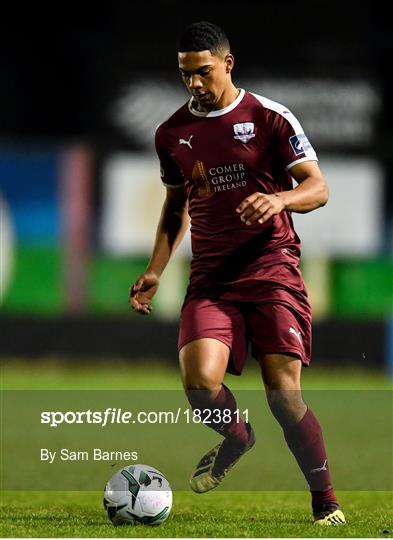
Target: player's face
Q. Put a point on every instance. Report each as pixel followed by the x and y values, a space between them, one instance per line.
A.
pixel 206 77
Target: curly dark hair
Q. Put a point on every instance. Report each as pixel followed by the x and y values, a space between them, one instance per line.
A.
pixel 203 36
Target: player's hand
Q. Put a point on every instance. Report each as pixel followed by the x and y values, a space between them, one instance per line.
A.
pixel 142 292
pixel 259 207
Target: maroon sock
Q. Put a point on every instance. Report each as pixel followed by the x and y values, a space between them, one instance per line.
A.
pixel 305 441
pixel 219 413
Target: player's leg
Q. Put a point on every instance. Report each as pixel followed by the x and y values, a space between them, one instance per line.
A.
pixel 212 335
pixel 283 327
pixel 203 363
pixel 302 432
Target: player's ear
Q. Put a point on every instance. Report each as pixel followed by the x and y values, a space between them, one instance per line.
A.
pixel 229 62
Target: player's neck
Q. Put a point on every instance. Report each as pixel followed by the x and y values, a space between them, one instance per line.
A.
pixel 228 96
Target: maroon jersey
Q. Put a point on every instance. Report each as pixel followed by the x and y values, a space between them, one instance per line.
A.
pixel 222 157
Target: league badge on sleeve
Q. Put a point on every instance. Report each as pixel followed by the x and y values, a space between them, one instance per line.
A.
pixel 300 144
pixel 244 131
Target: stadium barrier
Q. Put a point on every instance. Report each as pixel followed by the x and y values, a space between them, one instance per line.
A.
pixel 359 343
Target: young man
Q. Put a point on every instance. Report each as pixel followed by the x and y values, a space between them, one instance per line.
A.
pixel 228 158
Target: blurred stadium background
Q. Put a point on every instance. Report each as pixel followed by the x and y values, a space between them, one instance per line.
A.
pixel 82 92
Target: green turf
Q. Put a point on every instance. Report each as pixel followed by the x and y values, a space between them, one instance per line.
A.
pixel 216 514
pixel 229 514
pixel 90 374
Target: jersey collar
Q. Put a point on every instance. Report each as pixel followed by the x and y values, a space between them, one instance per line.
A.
pixel 218 112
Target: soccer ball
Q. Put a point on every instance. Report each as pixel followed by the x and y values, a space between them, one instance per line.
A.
pixel 138 494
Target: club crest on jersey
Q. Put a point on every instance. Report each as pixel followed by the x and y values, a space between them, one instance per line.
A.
pixel 244 131
pixel 300 143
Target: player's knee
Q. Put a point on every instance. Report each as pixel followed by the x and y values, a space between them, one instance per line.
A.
pixel 200 376
pixel 200 391
pixel 201 382
pixel 280 399
pixel 286 405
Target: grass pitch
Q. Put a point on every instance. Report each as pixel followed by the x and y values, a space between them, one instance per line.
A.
pixel 118 374
pixel 215 514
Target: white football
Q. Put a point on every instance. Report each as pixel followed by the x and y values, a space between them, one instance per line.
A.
pixel 138 494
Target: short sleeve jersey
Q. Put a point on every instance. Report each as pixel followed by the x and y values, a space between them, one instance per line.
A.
pixel 221 157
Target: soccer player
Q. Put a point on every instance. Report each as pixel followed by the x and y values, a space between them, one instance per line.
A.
pixel 228 159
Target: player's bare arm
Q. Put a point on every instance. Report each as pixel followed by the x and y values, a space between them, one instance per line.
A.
pixel 170 232
pixel 311 192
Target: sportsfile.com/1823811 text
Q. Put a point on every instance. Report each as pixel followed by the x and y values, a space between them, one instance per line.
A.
pixel 119 416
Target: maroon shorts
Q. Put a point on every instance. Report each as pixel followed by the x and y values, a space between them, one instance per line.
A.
pixel 279 324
